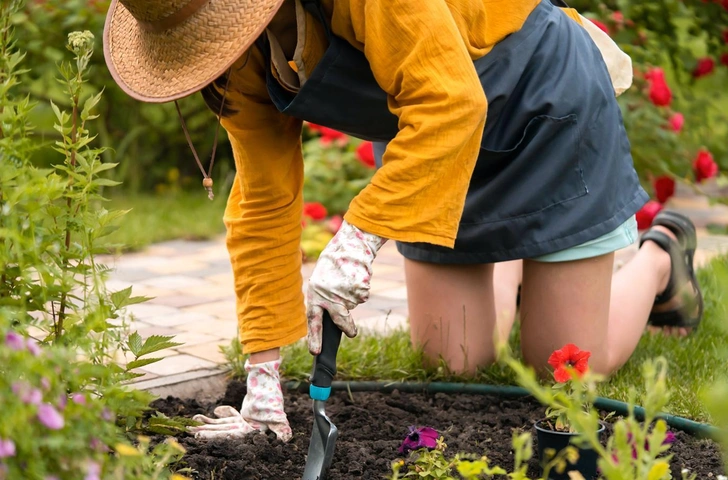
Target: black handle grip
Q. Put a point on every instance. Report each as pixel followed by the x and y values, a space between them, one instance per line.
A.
pixel 324 364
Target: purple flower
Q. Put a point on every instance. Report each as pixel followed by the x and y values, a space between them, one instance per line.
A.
pixel 49 416
pixel 107 415
pixel 62 401
pixel 93 471
pixel 669 438
pixel 78 399
pixel 419 437
pixel 7 448
pixel 27 394
pixel 33 347
pixel 45 383
pixel 14 341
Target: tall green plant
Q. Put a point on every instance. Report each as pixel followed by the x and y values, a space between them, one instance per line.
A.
pixel 65 403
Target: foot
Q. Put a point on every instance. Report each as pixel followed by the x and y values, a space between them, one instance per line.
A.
pixel 682 310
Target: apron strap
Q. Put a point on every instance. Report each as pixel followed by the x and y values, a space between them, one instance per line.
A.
pixel 317 10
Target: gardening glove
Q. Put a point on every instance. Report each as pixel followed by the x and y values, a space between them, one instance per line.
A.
pixel 262 408
pixel 340 281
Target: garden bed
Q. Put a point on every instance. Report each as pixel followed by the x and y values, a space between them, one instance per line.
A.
pixel 372 427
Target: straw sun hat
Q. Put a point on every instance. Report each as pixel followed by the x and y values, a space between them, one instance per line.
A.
pixel 163 50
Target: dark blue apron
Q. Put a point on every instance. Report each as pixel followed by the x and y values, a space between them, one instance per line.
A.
pixel 554 169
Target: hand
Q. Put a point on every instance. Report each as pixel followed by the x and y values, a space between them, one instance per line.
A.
pixel 262 408
pixel 340 281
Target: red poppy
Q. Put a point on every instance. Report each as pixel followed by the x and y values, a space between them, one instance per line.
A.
pixel 313 127
pixel 567 360
pixel 647 213
pixel 365 154
pixel 664 188
pixel 705 66
pixel 677 120
pixel 704 166
pixel 314 211
pixel 724 59
pixel 601 26
pixel 618 17
pixel 660 93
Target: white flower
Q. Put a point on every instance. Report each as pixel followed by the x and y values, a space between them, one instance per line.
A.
pixel 684 471
pixel 722 477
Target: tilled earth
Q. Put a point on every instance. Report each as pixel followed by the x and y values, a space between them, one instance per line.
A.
pixel 372 427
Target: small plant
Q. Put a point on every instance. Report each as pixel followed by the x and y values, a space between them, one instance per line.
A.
pixel 571 387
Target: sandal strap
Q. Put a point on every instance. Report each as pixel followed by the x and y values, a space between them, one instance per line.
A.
pixel 676 258
pixel 680 226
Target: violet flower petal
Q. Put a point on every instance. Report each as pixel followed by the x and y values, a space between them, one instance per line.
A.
pixel 669 438
pixel 33 347
pixel 49 417
pixel 78 399
pixel 422 437
pixel 7 448
pixel 93 471
pixel 32 396
pixel 14 341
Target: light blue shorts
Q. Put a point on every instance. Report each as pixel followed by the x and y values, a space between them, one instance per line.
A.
pixel 623 236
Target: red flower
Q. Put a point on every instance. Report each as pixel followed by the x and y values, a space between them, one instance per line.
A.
pixel 705 66
pixel 725 35
pixel 664 188
pixel 724 59
pixel 660 93
pixel 677 120
pixel 647 213
pixel 313 127
pixel 567 360
pixel 329 135
pixel 618 17
pixel 601 26
pixel 314 211
pixel 365 154
pixel 704 166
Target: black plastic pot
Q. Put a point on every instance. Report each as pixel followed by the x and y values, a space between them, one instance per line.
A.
pixel 553 439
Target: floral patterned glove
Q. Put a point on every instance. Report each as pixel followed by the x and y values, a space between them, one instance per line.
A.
pixel 340 281
pixel 262 408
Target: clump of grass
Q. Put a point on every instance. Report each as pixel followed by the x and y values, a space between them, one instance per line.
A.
pixel 157 218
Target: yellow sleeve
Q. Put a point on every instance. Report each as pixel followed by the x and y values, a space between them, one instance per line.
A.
pixel 419 58
pixel 263 214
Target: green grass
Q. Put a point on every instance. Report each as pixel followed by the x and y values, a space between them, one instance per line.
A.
pixel 694 362
pixel 157 218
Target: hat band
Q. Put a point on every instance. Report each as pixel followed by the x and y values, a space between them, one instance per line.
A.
pixel 175 19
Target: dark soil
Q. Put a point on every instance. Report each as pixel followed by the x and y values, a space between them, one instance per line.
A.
pixel 372 427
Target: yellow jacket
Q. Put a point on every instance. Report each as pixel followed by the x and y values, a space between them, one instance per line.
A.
pixel 421 54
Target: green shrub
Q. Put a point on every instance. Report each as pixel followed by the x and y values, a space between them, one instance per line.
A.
pixel 66 409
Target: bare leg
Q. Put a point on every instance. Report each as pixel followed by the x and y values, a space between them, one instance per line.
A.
pixel 575 302
pixel 265 356
pixel 506 280
pixel 452 313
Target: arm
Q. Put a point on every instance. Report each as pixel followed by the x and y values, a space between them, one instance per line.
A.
pixel 419 58
pixel 263 215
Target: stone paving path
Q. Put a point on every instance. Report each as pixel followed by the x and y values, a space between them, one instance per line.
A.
pixel 192 286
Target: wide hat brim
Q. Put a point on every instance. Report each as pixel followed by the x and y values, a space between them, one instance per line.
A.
pixel 161 66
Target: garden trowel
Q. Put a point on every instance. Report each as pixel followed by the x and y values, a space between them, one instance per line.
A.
pixel 324 434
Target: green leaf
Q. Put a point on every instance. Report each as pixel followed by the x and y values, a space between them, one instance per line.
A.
pixel 141 362
pixel 156 343
pixel 135 344
pixel 106 182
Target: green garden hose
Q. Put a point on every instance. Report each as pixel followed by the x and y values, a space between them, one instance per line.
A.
pixel 697 429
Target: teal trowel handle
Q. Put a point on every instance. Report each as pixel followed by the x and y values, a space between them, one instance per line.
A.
pixel 324 364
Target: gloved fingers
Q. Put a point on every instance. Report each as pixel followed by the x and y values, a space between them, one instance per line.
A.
pixel 236 433
pixel 241 425
pixel 224 411
pixel 315 326
pixel 282 430
pixel 226 417
pixel 342 318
